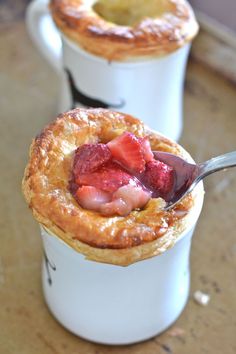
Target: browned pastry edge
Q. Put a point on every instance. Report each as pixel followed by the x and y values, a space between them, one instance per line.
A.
pixel 115 240
pixel 150 37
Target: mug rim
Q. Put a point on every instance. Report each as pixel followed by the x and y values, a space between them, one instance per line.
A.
pixel 129 63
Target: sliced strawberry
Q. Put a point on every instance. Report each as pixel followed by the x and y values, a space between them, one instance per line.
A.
pixel 126 149
pixel 146 149
pixel 92 198
pixel 89 157
pixel 160 178
pixel 108 178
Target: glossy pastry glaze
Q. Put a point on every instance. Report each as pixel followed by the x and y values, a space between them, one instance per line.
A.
pixel 124 30
pixel 117 240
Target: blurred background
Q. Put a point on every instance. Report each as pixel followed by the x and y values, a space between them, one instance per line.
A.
pixel 221 11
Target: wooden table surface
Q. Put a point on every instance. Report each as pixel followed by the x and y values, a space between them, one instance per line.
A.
pixel 28 101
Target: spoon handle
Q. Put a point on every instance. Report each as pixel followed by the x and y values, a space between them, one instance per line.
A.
pixel 218 163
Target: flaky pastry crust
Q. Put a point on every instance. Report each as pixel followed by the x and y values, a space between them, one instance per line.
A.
pixel 116 240
pixel 156 34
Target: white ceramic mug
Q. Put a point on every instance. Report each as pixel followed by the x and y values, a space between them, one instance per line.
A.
pixel 150 89
pixel 112 304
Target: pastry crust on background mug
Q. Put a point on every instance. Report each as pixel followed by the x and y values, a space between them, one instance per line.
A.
pixel 136 66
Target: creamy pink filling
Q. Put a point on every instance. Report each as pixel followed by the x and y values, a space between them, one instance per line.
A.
pixel 121 202
pixel 118 177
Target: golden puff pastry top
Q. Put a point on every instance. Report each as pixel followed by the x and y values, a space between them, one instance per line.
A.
pixel 116 240
pixel 126 29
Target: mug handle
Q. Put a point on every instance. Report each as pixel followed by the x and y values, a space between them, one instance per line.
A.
pixel 44 33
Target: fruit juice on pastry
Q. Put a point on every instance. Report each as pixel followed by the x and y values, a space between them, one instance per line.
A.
pixel 99 194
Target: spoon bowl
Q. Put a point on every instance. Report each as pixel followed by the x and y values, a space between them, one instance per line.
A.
pixel 188 175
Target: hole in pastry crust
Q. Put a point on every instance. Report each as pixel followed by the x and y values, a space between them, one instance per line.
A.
pixel 130 12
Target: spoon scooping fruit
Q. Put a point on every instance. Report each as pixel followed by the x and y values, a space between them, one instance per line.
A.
pixel 188 175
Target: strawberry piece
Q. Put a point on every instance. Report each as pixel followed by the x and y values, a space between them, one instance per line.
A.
pixel 160 178
pixel 126 149
pixel 108 178
pixel 146 149
pixel 92 198
pixel 90 157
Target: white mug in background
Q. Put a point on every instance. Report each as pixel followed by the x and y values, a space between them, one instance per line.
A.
pixel 151 89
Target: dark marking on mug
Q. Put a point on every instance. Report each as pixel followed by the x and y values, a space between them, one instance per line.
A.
pixel 49 265
pixel 79 97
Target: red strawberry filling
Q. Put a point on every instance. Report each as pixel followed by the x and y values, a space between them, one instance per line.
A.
pixel 159 178
pixel 126 149
pixel 146 149
pixel 107 178
pixel 89 157
pixel 120 176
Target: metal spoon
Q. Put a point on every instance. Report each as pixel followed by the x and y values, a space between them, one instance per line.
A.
pixel 188 175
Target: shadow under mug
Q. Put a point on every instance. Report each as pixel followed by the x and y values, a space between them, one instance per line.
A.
pixel 150 89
